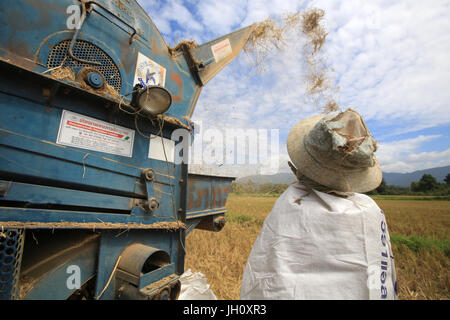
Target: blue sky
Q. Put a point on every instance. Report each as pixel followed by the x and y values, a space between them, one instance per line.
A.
pixel 391 62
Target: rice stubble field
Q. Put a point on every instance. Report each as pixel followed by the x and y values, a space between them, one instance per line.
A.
pixel 420 236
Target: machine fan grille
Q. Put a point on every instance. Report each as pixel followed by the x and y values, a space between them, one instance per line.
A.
pixel 11 247
pixel 87 51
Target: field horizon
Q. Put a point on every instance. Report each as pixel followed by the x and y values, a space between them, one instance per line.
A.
pixel 419 231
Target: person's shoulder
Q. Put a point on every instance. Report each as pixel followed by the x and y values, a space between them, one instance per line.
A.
pixel 293 192
pixel 361 197
pixel 287 206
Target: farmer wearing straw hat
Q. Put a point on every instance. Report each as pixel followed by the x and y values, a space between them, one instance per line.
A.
pixel 323 239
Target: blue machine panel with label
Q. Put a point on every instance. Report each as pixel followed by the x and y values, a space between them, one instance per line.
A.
pixel 93 202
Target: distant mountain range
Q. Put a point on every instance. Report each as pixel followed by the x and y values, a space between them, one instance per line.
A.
pixel 391 178
pixel 405 179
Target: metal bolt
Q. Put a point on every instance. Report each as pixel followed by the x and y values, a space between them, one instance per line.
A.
pixel 94 80
pixel 153 204
pixel 149 174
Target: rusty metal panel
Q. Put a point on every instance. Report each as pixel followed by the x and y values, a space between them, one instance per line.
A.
pixel 47 185
pixel 206 195
pixel 119 30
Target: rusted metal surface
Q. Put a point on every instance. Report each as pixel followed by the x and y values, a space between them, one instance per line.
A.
pixel 28 45
pixel 206 194
pixel 170 226
pixel 46 69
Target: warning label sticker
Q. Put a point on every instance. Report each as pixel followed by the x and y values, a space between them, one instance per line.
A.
pixel 148 72
pixel 221 50
pixel 76 130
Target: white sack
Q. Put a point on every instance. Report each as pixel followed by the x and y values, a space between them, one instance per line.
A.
pixel 194 286
pixel 318 246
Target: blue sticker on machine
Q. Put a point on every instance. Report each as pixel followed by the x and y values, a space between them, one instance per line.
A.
pixel 148 72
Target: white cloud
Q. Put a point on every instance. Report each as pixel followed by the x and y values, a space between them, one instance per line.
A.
pixel 404 155
pixel 389 68
pixel 258 10
pixel 221 16
pixel 164 13
pixel 390 60
pixel 395 68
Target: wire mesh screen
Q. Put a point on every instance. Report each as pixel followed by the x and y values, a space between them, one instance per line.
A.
pixel 87 51
pixel 11 247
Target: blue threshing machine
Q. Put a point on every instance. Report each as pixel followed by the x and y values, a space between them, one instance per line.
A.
pixel 93 202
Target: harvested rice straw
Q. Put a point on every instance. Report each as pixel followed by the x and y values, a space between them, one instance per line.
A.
pixel 191 44
pixel 319 86
pixel 312 28
pixel 269 35
pixel 331 106
pixel 62 73
pixel 264 36
pixel 108 89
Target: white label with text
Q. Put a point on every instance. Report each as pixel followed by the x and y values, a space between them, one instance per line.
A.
pixel 76 130
pixel 221 50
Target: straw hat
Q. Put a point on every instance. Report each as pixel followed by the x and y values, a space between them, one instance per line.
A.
pixel 336 151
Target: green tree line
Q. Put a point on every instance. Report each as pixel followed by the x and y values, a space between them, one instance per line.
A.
pixel 427 185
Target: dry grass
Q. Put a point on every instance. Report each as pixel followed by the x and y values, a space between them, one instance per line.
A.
pixel 422 273
pixel 222 256
pixel 422 218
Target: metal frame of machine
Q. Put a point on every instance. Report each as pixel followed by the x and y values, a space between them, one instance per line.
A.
pixel 118 220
